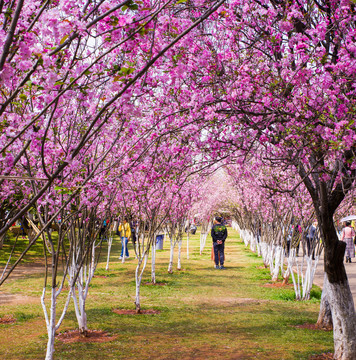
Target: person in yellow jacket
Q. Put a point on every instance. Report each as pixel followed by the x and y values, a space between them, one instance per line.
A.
pixel 125 234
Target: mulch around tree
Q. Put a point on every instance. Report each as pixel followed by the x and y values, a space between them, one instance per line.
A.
pixel 277 285
pixel 64 288
pixel 324 356
pixel 92 336
pixel 156 284
pixel 313 327
pixel 7 319
pixel 133 312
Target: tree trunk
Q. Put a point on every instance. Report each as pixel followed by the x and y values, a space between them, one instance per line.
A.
pixel 188 244
pixel 179 265
pixel 51 326
pixel 309 275
pixel 153 265
pixel 170 265
pixel 79 305
pixel 203 237
pixel 296 284
pixel 253 242
pixel 138 279
pixel 124 251
pixel 2 239
pixel 109 250
pixel 286 276
pixel 82 319
pixel 325 320
pixel 277 262
pixel 339 293
pixel 258 244
pixel 344 325
pixel 264 253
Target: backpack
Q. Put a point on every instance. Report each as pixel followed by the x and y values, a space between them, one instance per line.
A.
pixel 219 230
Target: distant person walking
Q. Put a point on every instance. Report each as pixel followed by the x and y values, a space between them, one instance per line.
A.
pixel 125 234
pixel 219 235
pixel 311 240
pixel 347 235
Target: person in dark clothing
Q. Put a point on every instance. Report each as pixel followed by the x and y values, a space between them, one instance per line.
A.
pixel 219 235
pixel 133 225
pixel 102 233
pixel 311 239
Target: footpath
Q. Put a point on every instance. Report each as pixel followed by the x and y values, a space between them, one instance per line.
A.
pixel 21 272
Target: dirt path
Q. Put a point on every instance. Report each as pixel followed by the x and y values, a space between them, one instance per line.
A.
pixel 21 271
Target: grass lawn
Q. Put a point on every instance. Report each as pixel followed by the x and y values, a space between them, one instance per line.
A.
pixel 204 313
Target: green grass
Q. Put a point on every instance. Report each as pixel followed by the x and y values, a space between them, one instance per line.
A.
pixel 34 253
pixel 204 313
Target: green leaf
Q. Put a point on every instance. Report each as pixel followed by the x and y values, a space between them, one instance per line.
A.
pixel 64 38
pixel 132 5
pixel 63 190
pixel 127 71
pixel 181 1
pixel 23 97
pixel 59 82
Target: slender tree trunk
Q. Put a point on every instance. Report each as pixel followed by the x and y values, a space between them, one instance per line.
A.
pixel 286 276
pixel 109 250
pixel 83 324
pixel 258 244
pixel 153 265
pixel 170 265
pixel 81 313
pixel 188 244
pixel 203 237
pixel 51 326
pixel 79 304
pixel 2 239
pixel 277 264
pixel 264 253
pixel 253 242
pixel 271 251
pixel 291 262
pixel 124 251
pixel 138 278
pixel 179 265
pixel 309 276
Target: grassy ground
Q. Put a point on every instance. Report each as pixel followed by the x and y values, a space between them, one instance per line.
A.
pixel 34 254
pixel 204 313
